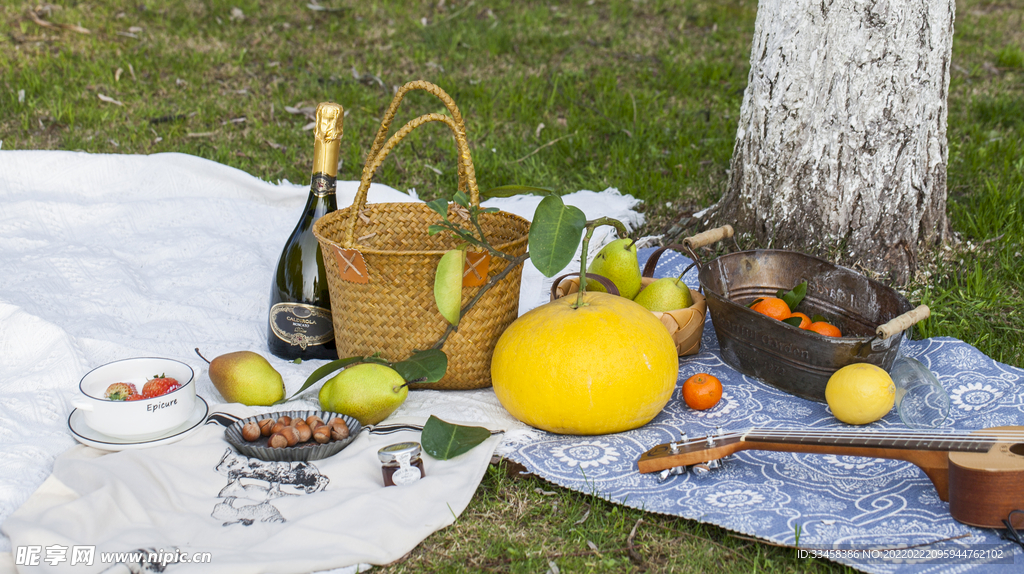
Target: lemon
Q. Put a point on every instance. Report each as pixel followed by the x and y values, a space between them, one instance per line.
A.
pixel 860 393
pixel 605 367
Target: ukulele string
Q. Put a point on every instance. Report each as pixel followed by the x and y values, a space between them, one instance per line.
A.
pixel 927 436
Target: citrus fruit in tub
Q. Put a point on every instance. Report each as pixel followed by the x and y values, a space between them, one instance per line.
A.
pixel 804 323
pixel 604 367
pixel 860 393
pixel 702 391
pixel 773 307
pixel 824 328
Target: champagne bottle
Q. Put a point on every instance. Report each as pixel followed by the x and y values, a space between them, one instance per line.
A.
pixel 300 325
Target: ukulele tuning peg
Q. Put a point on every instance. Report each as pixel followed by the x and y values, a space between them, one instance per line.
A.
pixel 714 464
pixel 669 472
pixel 674 446
pixel 701 470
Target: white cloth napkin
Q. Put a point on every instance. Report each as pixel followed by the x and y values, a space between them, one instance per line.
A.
pixel 199 498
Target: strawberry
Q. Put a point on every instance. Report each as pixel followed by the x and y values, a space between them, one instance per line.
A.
pixel 135 398
pixel 159 385
pixel 120 392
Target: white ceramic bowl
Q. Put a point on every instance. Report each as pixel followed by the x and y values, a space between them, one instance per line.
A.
pixel 142 418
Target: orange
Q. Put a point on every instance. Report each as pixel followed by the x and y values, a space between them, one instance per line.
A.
pixel 773 307
pixel 702 391
pixel 823 328
pixel 805 321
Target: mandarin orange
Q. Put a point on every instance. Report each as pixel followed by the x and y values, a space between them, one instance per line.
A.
pixel 702 391
pixel 773 307
pixel 826 329
pixel 805 321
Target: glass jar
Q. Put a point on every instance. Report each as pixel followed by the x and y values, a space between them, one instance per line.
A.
pixel 401 463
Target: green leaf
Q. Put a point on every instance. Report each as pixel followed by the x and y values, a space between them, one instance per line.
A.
pixel 448 285
pixel 510 190
pixel 440 205
pixel 443 440
pixel 755 302
pixel 423 366
pixel 325 370
pixel 461 199
pixel 435 229
pixel 490 210
pixel 794 321
pixel 817 318
pixel 555 234
pixel 794 296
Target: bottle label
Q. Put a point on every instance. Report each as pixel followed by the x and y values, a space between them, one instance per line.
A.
pixel 323 185
pixel 301 325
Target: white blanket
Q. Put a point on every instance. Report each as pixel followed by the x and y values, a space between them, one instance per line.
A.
pixel 104 257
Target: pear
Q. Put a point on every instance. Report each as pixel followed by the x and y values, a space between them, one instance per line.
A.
pixel 665 294
pixel 368 392
pixel 617 261
pixel 246 377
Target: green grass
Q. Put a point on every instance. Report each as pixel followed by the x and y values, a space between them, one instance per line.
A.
pixel 639 95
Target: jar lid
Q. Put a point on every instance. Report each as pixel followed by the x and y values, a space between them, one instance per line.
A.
pixel 392 452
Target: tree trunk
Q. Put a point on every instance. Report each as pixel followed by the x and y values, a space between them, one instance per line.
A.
pixel 841 146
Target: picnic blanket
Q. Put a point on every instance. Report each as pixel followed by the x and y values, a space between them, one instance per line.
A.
pixel 107 256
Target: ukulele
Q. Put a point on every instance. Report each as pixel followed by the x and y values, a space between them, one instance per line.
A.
pixel 980 473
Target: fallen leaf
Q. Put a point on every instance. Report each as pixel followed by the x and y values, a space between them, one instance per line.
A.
pixel 108 99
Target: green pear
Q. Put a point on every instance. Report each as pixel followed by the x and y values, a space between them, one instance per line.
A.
pixel 368 392
pixel 665 294
pixel 617 261
pixel 246 377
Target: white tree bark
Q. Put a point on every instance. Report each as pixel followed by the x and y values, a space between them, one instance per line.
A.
pixel 841 146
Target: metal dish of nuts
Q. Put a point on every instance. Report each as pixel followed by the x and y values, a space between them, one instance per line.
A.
pixel 293 436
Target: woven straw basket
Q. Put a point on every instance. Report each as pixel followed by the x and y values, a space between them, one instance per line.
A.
pixel 394 312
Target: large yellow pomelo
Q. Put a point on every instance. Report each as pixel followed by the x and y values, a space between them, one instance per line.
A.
pixel 605 367
pixel 860 393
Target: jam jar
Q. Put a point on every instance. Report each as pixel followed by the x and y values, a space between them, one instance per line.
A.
pixel 401 463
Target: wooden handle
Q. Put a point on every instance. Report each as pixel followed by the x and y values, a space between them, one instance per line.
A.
pixel 708 237
pixel 903 322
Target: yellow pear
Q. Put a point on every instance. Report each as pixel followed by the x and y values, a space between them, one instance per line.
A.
pixel 665 294
pixel 368 392
pixel 246 377
pixel 617 261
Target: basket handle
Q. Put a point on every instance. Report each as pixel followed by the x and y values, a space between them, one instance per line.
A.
pixel 467 175
pixel 612 289
pixel 389 116
pixel 903 322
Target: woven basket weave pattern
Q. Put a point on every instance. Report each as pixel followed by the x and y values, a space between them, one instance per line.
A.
pixel 395 312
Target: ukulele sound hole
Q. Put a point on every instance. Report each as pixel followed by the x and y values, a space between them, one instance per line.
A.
pixel 1017 449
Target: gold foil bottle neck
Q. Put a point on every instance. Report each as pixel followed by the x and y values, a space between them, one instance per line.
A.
pixel 326 147
pixel 329 118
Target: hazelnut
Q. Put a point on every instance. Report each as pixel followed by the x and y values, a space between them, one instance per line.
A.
pixel 322 434
pixel 339 431
pixel 303 430
pixel 251 431
pixel 277 441
pixel 313 419
pixel 285 420
pixel 276 428
pixel 290 434
pixel 265 426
